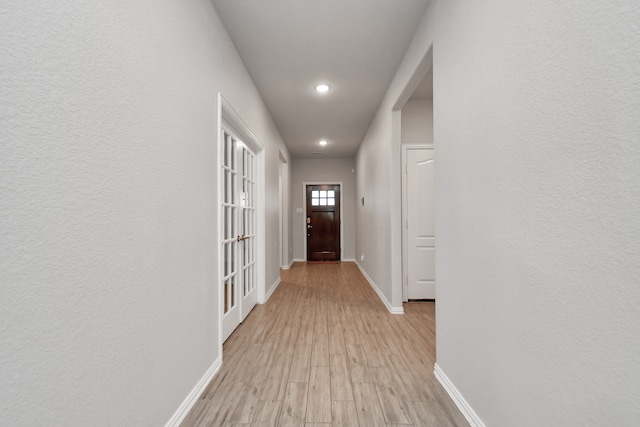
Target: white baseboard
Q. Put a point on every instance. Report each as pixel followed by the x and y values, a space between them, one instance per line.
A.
pixel 271 291
pixel 298 260
pixel 286 267
pixel 193 397
pixel 392 309
pixel 349 260
pixel 466 409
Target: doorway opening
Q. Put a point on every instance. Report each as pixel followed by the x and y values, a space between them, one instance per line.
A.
pixel 241 250
pixel 414 154
pixel 323 222
pixel 238 218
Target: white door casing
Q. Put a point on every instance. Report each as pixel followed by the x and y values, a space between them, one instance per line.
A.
pixel 283 219
pixel 418 213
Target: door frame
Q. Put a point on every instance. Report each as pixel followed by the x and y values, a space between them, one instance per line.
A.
pixel 304 217
pixel 405 209
pixel 283 206
pixel 228 118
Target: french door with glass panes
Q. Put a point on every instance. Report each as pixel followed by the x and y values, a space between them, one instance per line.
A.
pixel 238 216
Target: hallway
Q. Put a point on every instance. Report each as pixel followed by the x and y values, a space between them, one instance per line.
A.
pixel 324 351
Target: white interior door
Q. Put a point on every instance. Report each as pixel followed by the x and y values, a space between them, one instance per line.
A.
pixel 238 216
pixel 247 235
pixel 420 242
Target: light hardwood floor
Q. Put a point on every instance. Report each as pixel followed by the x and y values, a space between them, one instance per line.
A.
pixel 324 351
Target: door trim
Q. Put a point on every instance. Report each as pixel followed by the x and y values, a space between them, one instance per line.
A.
pixel 229 119
pixel 283 218
pixel 304 216
pixel 405 238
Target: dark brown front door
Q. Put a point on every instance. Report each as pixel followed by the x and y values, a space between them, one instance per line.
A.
pixel 323 223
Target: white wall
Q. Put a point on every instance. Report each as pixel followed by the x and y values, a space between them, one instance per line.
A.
pixel 537 201
pixel 323 170
pixel 373 232
pixel 417 122
pixel 108 297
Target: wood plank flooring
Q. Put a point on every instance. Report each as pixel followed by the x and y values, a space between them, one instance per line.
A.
pixel 324 351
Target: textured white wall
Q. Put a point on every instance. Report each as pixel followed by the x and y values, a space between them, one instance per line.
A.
pixel 536 128
pixel 324 170
pixel 417 122
pixel 108 298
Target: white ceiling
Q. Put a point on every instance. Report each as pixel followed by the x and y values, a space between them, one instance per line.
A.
pixel 288 46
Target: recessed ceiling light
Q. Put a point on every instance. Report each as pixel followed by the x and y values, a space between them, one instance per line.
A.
pixel 322 88
pixel 323 142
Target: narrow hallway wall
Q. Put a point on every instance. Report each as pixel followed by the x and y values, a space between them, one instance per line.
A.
pixel 537 190
pixel 109 301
